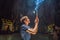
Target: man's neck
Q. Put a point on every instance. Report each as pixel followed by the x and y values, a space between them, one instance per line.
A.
pixel 26 24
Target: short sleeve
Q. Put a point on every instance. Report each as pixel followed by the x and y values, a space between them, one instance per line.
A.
pixel 24 28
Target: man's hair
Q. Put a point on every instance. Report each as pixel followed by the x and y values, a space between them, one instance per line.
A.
pixel 23 18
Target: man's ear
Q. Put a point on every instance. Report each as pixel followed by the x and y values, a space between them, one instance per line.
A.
pixel 25 20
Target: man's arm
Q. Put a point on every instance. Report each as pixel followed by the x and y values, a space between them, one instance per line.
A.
pixel 35 29
pixel 31 32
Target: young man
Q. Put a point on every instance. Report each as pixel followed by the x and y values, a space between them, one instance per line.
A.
pixel 26 31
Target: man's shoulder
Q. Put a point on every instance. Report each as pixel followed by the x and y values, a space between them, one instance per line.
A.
pixel 25 26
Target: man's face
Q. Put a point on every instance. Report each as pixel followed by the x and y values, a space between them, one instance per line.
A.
pixel 27 20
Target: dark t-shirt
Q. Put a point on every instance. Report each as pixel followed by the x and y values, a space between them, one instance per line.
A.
pixel 25 35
